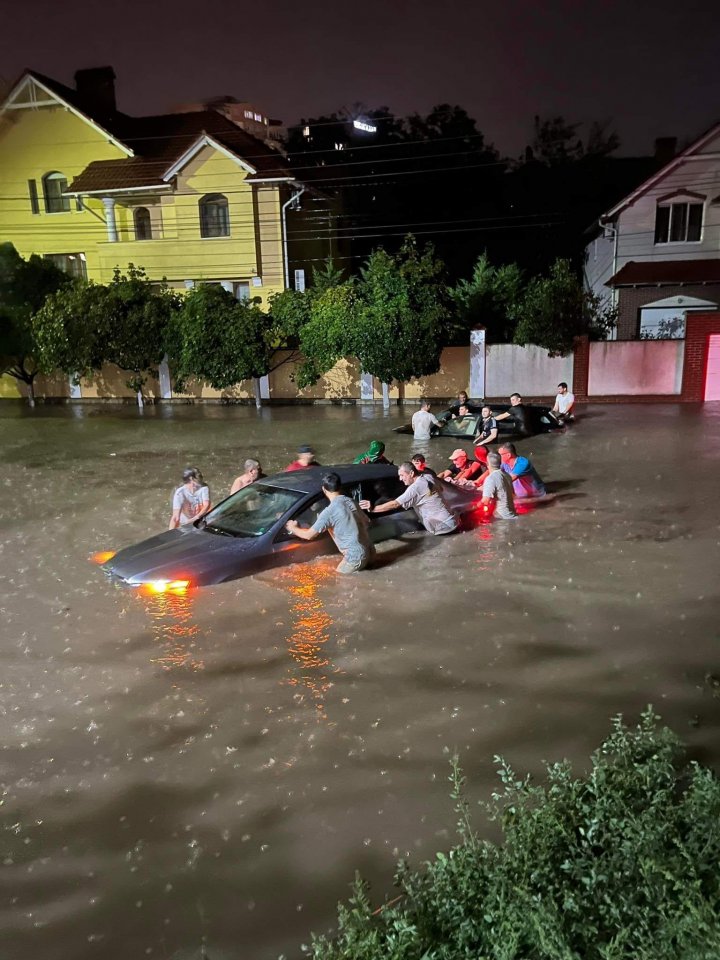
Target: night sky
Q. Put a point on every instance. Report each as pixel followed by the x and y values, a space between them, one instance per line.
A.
pixel 649 68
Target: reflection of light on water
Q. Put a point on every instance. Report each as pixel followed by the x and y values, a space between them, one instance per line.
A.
pixel 102 556
pixel 310 629
pixel 171 614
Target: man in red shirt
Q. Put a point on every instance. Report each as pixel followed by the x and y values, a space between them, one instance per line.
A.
pixel 463 468
pixel 305 458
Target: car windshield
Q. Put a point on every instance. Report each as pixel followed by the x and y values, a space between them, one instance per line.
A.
pixel 252 511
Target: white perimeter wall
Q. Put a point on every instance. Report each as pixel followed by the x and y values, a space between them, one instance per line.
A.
pixel 525 370
pixel 635 367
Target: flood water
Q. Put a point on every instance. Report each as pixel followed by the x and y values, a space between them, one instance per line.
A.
pixel 210 769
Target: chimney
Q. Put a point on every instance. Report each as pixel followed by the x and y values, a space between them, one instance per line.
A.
pixel 665 149
pixel 96 87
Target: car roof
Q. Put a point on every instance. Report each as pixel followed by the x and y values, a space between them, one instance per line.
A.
pixel 309 479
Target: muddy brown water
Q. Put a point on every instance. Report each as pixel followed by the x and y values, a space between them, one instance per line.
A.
pixel 212 768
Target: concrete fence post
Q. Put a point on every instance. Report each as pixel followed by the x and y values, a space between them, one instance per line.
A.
pixel 476 380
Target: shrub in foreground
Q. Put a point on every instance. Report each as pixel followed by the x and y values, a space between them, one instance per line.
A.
pixel 620 864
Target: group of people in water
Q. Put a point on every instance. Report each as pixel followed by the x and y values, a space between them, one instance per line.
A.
pixel 501 477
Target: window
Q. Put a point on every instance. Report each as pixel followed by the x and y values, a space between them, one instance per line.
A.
pixel 73 263
pixel 34 202
pixel 54 186
pixel 143 224
pixel 214 216
pixel 678 223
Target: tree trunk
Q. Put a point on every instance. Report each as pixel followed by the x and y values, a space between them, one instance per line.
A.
pixel 141 402
pixel 258 395
pixel 386 394
pixel 31 391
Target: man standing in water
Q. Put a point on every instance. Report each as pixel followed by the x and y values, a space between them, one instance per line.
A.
pixel 253 472
pixel 497 489
pixel 185 502
pixel 346 524
pixel 423 495
pixel 423 421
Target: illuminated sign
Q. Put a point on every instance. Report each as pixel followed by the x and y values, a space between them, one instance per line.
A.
pixel 364 126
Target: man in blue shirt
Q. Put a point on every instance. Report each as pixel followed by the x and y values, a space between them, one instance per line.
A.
pixel 525 478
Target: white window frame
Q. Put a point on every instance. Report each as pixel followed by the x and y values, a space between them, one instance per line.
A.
pixel 671 204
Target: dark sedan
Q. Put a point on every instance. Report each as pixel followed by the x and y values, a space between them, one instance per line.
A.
pixel 246 532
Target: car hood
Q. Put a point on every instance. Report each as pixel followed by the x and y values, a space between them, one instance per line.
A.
pixel 187 553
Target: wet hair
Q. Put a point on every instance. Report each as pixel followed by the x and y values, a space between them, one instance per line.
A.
pixel 510 447
pixel 424 403
pixel 486 406
pixel 331 482
pixel 418 456
pixel 251 465
pixel 462 393
pixel 563 384
pixel 188 474
pixel 305 448
pixel 494 460
pixel 198 475
pixel 408 467
pixel 518 395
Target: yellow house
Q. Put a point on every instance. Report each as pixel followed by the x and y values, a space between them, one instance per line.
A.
pixel 190 197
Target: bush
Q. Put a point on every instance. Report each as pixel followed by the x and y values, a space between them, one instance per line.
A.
pixel 620 864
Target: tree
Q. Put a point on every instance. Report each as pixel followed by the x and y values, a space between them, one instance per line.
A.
pixel 139 316
pixel 555 309
pixel 405 314
pixel 222 340
pixel 70 329
pixel 490 299
pixel 558 142
pixel 327 336
pixel 24 286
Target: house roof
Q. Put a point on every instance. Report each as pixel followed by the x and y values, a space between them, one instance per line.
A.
pixel 646 185
pixel 666 272
pixel 156 143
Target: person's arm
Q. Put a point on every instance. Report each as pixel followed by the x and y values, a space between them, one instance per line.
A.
pixel 381 508
pixel 435 420
pixel 503 416
pixel 570 407
pixel 174 520
pixel 237 485
pixel 444 475
pixel 305 533
pixel 492 436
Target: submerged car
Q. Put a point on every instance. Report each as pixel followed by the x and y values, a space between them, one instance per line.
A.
pixel 246 532
pixel 538 419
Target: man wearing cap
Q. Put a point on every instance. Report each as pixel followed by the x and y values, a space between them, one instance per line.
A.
pixel 497 489
pixel 463 468
pixel 305 459
pixel 424 496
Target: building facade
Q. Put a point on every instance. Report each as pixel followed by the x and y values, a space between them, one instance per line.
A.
pixel 189 197
pixel 656 254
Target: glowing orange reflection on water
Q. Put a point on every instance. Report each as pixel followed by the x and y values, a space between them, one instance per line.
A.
pixel 174 628
pixel 310 631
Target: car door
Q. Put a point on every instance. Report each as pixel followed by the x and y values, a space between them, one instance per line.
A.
pixel 386 526
pixel 296 548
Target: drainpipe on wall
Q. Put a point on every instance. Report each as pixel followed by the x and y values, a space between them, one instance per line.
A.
pixel 614 271
pixel 109 205
pixel 293 202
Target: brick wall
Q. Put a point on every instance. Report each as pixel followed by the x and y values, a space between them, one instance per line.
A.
pixel 631 299
pixel 699 327
pixel 581 368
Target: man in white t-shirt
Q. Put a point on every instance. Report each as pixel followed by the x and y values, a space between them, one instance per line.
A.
pixel 423 421
pixel 564 403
